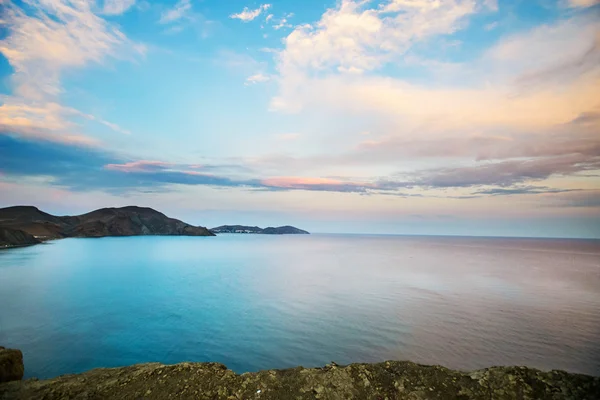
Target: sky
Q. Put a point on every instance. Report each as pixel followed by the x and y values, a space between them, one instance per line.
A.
pixel 434 117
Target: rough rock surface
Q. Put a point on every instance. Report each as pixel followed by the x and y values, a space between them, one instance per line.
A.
pixel 11 365
pixel 124 221
pixel 387 380
pixel 14 237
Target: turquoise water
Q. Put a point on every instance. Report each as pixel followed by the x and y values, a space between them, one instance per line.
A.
pixel 257 301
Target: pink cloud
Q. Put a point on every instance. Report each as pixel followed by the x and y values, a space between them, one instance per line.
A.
pixel 139 166
pixel 75 140
pixel 195 173
pixel 309 183
pixel 68 139
pixel 291 181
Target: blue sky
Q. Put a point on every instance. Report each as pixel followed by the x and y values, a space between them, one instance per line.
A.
pixel 469 117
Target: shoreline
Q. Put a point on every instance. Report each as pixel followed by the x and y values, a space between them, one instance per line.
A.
pixel 385 380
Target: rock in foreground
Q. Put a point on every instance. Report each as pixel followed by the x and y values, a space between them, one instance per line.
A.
pixel 387 380
pixel 11 365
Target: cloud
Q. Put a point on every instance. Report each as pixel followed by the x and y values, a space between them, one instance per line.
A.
pixel 315 184
pixel 50 120
pixel 257 78
pixel 139 166
pixel 491 26
pixel 523 112
pixel 576 137
pixel 281 22
pixel 76 166
pixel 179 11
pixel 352 36
pixel 582 3
pixel 547 54
pixel 81 168
pixel 58 35
pixel 287 136
pixel 518 190
pixel 62 160
pixel 541 77
pixel 580 198
pixel 506 173
pixel 43 40
pixel 491 4
pixel 117 7
pixel 571 149
pixel 181 17
pixel 248 15
pixel 112 126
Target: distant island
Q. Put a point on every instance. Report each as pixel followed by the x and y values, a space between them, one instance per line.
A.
pixel 280 230
pixel 26 225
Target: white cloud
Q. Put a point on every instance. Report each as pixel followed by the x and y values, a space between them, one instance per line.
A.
pixel 268 50
pixel 282 22
pixel 491 26
pixel 257 78
pixel 179 11
pixel 43 41
pixel 352 39
pixel 491 4
pixel 248 15
pixel 546 53
pixel 60 35
pixel 181 17
pixel 353 36
pixel 515 96
pixel 116 7
pixel 537 78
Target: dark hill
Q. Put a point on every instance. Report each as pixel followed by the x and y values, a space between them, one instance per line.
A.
pixel 236 229
pixel 124 221
pixel 13 237
pixel 284 230
pixel 35 222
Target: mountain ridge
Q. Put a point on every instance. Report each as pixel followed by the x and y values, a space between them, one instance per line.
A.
pixel 110 221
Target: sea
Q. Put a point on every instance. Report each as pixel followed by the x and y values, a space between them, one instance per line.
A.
pixel 257 302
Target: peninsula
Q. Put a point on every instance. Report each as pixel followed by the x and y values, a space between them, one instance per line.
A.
pixel 280 230
pixel 25 225
pixel 386 380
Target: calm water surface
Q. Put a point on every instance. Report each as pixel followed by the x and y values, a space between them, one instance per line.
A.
pixel 258 301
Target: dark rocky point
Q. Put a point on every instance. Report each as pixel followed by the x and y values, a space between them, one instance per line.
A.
pixel 15 237
pixel 386 380
pixel 125 221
